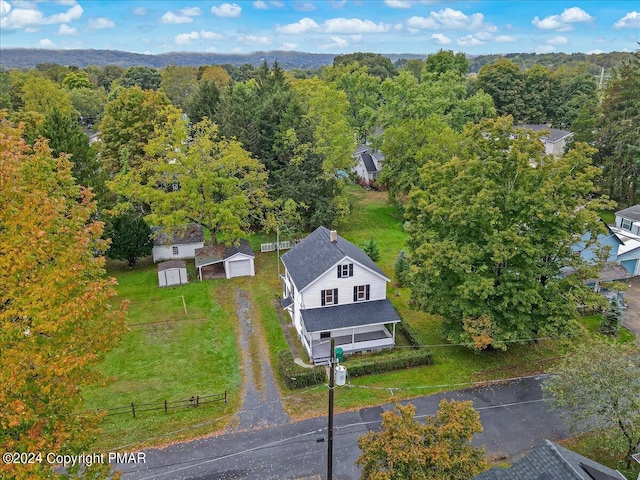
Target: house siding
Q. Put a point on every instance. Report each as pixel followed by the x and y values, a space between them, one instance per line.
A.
pixel 165 252
pixel 312 296
pixel 631 266
pixel 635 226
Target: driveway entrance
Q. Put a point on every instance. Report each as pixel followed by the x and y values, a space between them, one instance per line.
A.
pixel 631 315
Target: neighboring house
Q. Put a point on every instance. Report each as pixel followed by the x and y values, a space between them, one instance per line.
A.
pixel 549 461
pixel 629 251
pixel 368 163
pixel 590 251
pixel 332 289
pixel 217 261
pixel 172 272
pixel 554 140
pixel 179 245
pixel 629 219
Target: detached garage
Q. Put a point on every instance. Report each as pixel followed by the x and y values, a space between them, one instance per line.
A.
pixel 173 272
pixel 218 261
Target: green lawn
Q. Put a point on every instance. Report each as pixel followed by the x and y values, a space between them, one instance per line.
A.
pixel 608 216
pixel 167 355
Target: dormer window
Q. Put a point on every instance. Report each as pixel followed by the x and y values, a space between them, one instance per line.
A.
pixel 626 224
pixel 345 271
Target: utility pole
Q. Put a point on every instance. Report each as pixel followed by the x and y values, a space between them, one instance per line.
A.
pixel 330 426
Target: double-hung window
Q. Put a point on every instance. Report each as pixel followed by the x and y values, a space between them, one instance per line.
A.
pixel 175 250
pixel 329 297
pixel 345 270
pixel 361 293
pixel 626 224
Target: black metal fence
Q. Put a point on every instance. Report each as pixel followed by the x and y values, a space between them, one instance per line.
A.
pixel 166 406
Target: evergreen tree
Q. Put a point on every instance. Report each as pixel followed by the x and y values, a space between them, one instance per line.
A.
pixel 130 238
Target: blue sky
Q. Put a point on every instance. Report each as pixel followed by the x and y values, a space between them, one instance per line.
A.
pixel 323 26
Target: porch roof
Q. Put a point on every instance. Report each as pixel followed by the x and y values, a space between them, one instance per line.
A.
pixel 348 316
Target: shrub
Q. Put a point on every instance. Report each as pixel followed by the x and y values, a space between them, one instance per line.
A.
pixel 401 269
pixel 296 376
pixel 371 249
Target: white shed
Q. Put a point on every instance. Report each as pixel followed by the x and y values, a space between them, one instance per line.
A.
pixel 218 261
pixel 173 272
pixel 178 244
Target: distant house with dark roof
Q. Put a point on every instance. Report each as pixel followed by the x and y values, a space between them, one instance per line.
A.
pixel 549 461
pixel 221 261
pixel 368 163
pixel 178 244
pixel 332 289
pixel 629 219
pixel 554 140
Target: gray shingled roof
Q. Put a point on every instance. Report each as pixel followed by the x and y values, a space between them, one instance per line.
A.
pixel 554 134
pixel 216 253
pixel 632 213
pixel 314 255
pixel 368 162
pixel 243 247
pixel 171 264
pixel 549 461
pixel 187 234
pixel 349 315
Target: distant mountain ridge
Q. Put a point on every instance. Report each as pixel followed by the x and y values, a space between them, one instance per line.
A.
pixel 30 57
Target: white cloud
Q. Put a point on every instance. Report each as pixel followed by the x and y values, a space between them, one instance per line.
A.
pixel 46 43
pixel 28 18
pixel 304 6
pixel 101 23
pixel 355 38
pixel 69 3
pixel 229 10
pixel 558 40
pixel 300 26
pixel 255 40
pixel 5 7
pixel 340 42
pixel 562 22
pixel 398 3
pixel 186 38
pixel 288 46
pixel 505 39
pixel 545 48
pixel 469 41
pixel 594 52
pixel 337 3
pixel 630 20
pixel 65 29
pixel 423 22
pixel 456 20
pixel 413 31
pixel 484 36
pixel 140 11
pixel 210 35
pixel 184 15
pixel 354 25
pixel 441 39
pixel 260 5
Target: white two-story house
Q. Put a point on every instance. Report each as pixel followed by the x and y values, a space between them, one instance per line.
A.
pixel 332 289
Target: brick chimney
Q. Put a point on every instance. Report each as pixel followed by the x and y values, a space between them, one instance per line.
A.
pixel 333 235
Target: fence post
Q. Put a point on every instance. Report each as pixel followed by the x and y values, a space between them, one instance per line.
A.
pixel 165 406
pixel 197 400
pixel 133 410
pixel 225 396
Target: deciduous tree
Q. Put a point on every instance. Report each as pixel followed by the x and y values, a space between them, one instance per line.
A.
pixel 438 449
pixel 58 316
pixel 197 177
pixel 599 386
pixel 144 77
pixel 42 95
pixel 179 84
pixel 490 234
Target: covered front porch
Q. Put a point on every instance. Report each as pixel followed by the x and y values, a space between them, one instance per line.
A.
pixel 354 327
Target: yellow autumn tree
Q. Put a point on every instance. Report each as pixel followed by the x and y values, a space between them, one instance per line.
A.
pixel 57 311
pixel 438 449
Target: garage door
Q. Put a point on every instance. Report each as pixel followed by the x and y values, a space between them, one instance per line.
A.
pixel 173 277
pixel 240 268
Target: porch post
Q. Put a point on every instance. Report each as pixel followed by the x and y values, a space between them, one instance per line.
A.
pixel 394 333
pixel 353 339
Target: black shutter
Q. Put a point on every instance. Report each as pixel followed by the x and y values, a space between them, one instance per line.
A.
pixel 339 271
pixel 322 297
pixel 367 291
pixel 335 296
pixel 355 294
pixel 351 269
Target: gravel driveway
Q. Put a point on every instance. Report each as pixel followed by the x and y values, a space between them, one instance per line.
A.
pixel 261 403
pixel 631 315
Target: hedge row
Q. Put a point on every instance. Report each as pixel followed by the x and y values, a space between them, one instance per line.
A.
pixel 296 376
pixel 410 333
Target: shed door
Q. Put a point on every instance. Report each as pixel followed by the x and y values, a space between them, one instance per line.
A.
pixel 173 276
pixel 240 268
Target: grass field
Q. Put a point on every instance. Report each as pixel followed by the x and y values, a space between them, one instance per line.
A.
pixel 167 355
pixel 170 355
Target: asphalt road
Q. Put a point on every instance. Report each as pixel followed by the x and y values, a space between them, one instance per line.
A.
pixel 514 416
